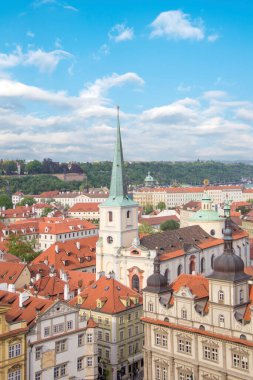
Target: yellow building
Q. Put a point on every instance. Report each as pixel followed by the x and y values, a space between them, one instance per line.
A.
pixel 12 347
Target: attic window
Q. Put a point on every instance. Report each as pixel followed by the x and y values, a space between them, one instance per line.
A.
pixel 94 286
pixel 107 288
pixel 118 288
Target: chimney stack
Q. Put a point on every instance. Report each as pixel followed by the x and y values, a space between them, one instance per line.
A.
pixel 22 298
pixel 56 248
pixel 78 245
pixel 66 292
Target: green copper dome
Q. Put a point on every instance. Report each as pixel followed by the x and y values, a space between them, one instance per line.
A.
pixel 206 216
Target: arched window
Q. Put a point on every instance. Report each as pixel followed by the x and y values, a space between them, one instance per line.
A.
pixel 135 282
pixel 192 266
pixel 109 239
pixel 167 275
pixel 202 265
pixel 221 320
pixel 242 336
pixel 184 313
pixel 128 214
pixel 110 217
pixel 221 296
pixel 212 261
pixel 179 269
pixel 201 327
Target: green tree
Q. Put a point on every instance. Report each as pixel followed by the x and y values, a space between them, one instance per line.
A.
pixel 34 167
pixel 9 166
pixel 148 209
pixel 5 201
pixel 27 201
pixel 46 211
pixel 161 206
pixel 145 228
pixel 17 245
pixel 169 225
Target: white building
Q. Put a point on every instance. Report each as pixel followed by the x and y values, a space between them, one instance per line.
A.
pixel 200 328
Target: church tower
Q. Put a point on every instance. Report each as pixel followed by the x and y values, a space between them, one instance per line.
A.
pixel 118 216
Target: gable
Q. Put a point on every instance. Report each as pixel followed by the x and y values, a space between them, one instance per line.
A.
pixel 59 308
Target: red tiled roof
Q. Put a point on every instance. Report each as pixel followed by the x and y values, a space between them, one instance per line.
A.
pixel 110 291
pixel 70 254
pixel 30 310
pixel 85 207
pixel 10 271
pixel 197 284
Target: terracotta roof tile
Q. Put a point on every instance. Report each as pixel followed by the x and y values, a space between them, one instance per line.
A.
pixel 111 292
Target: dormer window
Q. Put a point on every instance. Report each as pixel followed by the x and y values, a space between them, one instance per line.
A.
pixel 110 216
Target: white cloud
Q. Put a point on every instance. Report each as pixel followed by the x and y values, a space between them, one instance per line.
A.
pixel 70 8
pixel 120 32
pixel 213 37
pixel 30 34
pixel 83 126
pixel 44 61
pixel 103 51
pixel 177 25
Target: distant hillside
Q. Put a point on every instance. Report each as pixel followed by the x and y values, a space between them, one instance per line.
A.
pixel 166 173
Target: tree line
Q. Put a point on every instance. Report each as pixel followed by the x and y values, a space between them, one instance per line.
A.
pixel 47 166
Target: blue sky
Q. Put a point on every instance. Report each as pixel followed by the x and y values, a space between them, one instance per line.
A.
pixel 180 71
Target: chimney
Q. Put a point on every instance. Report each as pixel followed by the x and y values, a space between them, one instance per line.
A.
pixel 22 298
pixel 56 248
pixel 66 292
pixel 38 276
pixel 64 276
pixel 11 288
pixel 78 245
pixel 46 261
pixel 14 206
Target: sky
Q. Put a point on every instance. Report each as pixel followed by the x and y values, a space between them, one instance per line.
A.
pixel 181 72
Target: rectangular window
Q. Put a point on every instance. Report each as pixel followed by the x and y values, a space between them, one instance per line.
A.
pixel 107 321
pixel 15 375
pixel 210 353
pixel 14 350
pixel 129 317
pixel 80 340
pixel 121 320
pixel 38 376
pixel 58 328
pixel 184 346
pixel 38 352
pixel 121 335
pixel 46 331
pixel 61 346
pixel 89 361
pixel 107 354
pixel 79 364
pixel 136 330
pixel 121 353
pixel 99 352
pixel 60 371
pixel 89 338
pixel 240 361
pixel 70 325
pixel 129 332
pixel 107 337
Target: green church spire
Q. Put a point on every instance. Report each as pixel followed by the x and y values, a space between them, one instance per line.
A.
pixel 118 186
pixel 118 189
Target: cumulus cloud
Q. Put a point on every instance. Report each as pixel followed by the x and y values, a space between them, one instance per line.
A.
pixel 177 25
pixel 45 61
pixel 103 50
pixel 120 32
pixel 82 127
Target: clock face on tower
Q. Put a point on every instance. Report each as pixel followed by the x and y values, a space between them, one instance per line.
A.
pixel 109 240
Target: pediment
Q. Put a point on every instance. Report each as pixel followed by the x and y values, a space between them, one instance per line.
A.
pixel 59 308
pixel 184 292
